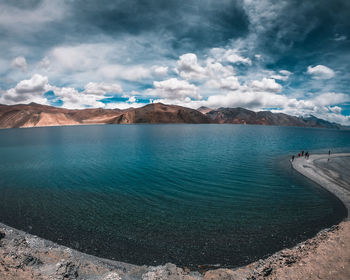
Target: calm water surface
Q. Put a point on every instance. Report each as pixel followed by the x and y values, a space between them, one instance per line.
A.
pixel 151 194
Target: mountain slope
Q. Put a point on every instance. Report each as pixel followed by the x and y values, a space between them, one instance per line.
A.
pixel 41 115
pixel 33 114
pixel 244 116
pixel 160 113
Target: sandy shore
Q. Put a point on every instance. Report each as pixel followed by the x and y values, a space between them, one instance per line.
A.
pixel 325 256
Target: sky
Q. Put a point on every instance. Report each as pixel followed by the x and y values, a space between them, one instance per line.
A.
pixel 290 56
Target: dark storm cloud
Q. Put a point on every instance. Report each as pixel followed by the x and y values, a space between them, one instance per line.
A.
pixel 302 28
pixel 190 22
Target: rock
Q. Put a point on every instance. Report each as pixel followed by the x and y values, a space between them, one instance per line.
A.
pixel 112 276
pixel 267 271
pixel 167 271
pixel 67 270
pixel 31 261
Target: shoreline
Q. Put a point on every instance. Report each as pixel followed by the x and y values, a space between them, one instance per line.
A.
pixel 326 255
pixel 325 177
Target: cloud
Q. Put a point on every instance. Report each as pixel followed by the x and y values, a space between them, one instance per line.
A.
pixel 282 75
pixel 130 73
pixel 20 62
pixel 73 99
pixel 33 90
pixel 339 37
pixel 19 19
pixel 188 67
pixel 212 71
pixel 174 89
pixel 160 70
pixel 94 60
pixel 132 99
pixel 330 98
pixel 26 91
pixel 227 83
pixel 266 84
pixel 44 63
pixel 230 55
pixel 36 84
pixel 335 109
pixel 320 72
pixel 233 51
pixel 123 105
pixel 102 88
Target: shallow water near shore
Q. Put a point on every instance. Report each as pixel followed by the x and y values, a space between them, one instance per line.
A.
pixel 149 194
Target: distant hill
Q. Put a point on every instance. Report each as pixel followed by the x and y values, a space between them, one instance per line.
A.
pixel 32 115
pixel 160 113
pixel 244 116
pixel 41 115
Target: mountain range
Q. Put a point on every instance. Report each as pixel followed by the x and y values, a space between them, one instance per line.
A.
pixel 35 115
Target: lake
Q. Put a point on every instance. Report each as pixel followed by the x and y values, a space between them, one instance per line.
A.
pixel 150 194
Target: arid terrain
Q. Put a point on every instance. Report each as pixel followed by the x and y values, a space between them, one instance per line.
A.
pixel 36 115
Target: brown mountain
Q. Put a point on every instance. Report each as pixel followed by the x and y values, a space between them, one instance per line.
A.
pixel 41 115
pixel 160 113
pixel 244 116
pixel 204 109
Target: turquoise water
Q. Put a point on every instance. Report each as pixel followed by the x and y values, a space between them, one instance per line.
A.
pixel 150 194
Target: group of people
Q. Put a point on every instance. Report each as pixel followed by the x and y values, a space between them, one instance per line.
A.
pixel 302 154
pixel 307 154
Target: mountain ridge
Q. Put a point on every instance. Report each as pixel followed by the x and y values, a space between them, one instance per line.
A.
pixel 36 115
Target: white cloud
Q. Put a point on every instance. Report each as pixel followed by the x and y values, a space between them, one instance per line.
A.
pixel 213 72
pixel 266 84
pixel 282 75
pixel 188 67
pixel 230 55
pixel 23 20
pixel 102 88
pixel 335 109
pixel 330 98
pixel 123 105
pixel 132 99
pixel 235 58
pixel 130 73
pixel 174 89
pixel 26 91
pixel 96 61
pixel 44 63
pixel 228 83
pixel 20 62
pixel 36 84
pixel 320 72
pixel 33 90
pixel 73 99
pixel 160 70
